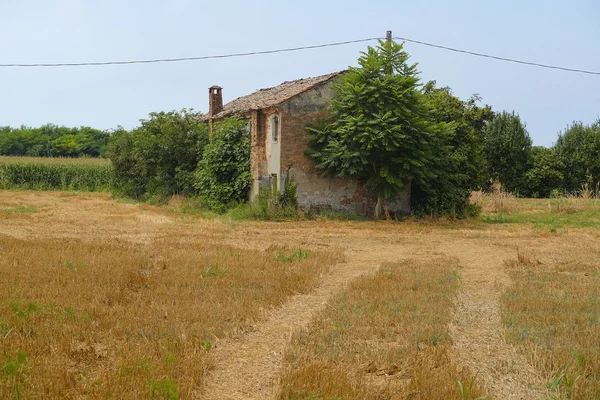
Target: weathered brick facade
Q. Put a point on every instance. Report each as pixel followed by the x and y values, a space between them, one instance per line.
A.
pixel 277 123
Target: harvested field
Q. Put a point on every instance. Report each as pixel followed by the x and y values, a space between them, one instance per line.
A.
pixel 101 298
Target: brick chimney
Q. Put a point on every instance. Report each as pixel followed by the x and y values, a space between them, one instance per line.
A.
pixel 215 100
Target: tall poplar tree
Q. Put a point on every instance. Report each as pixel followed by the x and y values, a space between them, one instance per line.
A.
pixel 507 147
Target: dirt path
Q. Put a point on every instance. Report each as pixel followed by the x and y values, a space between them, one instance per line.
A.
pixel 249 368
pixel 477 330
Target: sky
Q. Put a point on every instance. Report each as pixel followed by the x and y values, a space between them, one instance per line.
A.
pixel 563 33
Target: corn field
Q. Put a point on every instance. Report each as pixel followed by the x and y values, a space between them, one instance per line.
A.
pixel 55 174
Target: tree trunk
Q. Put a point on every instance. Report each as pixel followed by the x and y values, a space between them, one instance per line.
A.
pixel 378 207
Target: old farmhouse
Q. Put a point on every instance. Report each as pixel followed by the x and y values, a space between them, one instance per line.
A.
pixel 277 119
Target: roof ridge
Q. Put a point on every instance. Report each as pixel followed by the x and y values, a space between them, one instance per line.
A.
pixel 272 96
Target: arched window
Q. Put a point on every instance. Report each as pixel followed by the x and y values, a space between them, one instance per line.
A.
pixel 275 128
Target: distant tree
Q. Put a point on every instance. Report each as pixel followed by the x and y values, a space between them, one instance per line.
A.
pixel 578 148
pixel 223 175
pixel 545 172
pixel 507 146
pixel 380 128
pixel 68 145
pixel 158 158
pixel 53 141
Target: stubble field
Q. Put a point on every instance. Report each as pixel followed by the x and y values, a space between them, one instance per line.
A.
pixel 107 299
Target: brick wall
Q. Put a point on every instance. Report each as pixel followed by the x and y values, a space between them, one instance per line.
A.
pixel 315 191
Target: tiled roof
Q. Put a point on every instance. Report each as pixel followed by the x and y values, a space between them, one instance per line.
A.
pixel 265 98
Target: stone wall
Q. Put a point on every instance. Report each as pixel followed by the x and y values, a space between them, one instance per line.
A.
pixel 313 190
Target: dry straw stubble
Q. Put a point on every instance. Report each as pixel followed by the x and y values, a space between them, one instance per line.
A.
pixel 386 336
pixel 552 316
pixel 113 319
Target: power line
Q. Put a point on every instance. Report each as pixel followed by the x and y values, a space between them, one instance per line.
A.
pixel 496 57
pixel 82 64
pixel 162 60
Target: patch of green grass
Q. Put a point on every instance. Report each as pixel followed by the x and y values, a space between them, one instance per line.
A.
pixel 75 266
pixel 20 209
pixel 193 206
pixel 465 391
pixel 546 220
pixel 260 211
pixel 206 344
pixel 296 255
pixel 163 389
pixel 70 311
pixel 169 359
pixel 14 363
pixel 26 310
pixel 563 382
pixel 214 270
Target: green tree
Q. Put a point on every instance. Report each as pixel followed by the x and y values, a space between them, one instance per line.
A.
pixel 507 146
pixel 159 157
pixel 68 145
pixel 53 141
pixel 578 148
pixel 122 154
pixel 380 128
pixel 460 163
pixel 223 175
pixel 545 172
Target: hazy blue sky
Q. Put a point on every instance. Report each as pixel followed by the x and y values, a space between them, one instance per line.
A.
pixel 565 33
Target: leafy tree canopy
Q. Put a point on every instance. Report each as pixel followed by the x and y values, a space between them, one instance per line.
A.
pixel 380 128
pixel 223 175
pixel 53 141
pixel 460 163
pixel 507 146
pixel 545 172
pixel 578 148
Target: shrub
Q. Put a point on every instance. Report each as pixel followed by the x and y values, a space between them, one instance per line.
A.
pixel 460 164
pixel 223 176
pixel 158 159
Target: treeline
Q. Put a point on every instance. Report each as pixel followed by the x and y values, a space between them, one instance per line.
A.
pixel 534 171
pixel 493 146
pixel 53 141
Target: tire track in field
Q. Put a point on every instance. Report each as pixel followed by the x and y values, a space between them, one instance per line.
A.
pixel 249 367
pixel 477 330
